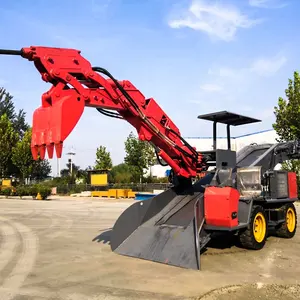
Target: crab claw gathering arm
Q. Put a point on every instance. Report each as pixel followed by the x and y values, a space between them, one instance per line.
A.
pixel 76 84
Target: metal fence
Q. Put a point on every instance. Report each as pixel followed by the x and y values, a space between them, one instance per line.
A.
pixel 137 187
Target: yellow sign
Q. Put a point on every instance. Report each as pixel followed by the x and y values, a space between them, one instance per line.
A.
pixel 99 179
pixel 6 182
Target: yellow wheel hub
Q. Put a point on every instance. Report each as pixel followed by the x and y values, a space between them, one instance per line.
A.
pixel 290 220
pixel 259 227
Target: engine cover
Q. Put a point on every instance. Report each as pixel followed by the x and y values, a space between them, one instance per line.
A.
pixel 221 206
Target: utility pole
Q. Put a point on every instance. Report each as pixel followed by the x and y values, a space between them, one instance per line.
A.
pixel 71 153
pixel 58 167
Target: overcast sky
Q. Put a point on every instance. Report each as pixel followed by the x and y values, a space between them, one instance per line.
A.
pixel 193 57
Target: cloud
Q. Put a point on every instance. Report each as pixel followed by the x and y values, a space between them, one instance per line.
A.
pixel 3 82
pixel 211 87
pixel 267 3
pixel 268 67
pixel 214 19
pixel 235 85
pixel 261 66
pixel 97 7
pixel 225 72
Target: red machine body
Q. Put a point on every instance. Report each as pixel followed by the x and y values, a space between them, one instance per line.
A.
pixel 76 84
pixel 172 228
pixel 221 206
pixel 292 185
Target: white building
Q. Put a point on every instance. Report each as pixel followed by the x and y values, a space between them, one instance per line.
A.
pixel 206 143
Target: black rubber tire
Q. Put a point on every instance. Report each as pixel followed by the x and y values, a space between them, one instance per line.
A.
pixel 246 237
pixel 283 231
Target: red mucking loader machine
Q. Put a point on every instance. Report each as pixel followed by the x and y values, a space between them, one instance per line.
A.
pixel 241 193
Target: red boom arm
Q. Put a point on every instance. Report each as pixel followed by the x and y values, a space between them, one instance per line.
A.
pixel 76 84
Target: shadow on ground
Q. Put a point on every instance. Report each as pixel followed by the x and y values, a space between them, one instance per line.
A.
pixel 220 241
pixel 104 236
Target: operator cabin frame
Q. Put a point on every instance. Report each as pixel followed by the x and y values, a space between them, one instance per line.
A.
pixel 224 158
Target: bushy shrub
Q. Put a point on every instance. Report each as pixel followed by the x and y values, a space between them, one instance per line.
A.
pixel 150 179
pixel 22 191
pixel 32 191
pixel 6 192
pixel 44 191
pixel 13 191
pixel 27 190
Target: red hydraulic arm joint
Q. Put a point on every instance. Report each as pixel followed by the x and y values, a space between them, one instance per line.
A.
pixel 76 84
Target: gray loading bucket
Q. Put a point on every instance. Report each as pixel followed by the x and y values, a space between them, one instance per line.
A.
pixel 164 229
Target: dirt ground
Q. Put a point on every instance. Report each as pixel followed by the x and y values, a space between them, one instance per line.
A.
pixel 60 249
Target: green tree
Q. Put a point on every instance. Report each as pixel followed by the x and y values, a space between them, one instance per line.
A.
pixel 22 157
pixel 41 169
pixel 120 173
pixel 139 156
pixel 67 172
pixel 8 138
pixel 17 118
pixel 20 124
pixel 287 113
pixel 77 173
pixel 103 159
pixel 23 160
pixel 6 105
pixel 17 123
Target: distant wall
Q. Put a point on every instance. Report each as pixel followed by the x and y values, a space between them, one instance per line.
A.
pixel 206 143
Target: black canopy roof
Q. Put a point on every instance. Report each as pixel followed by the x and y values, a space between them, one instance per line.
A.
pixel 228 118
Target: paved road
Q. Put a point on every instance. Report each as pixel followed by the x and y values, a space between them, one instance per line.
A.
pixel 60 250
